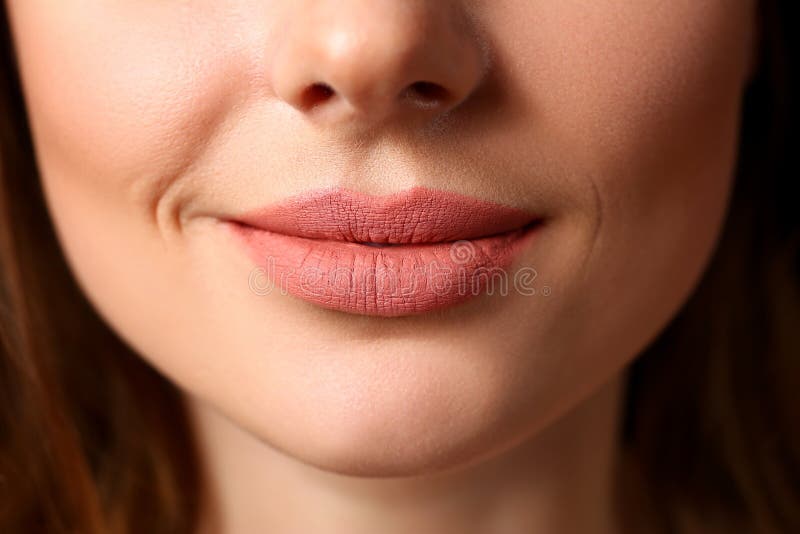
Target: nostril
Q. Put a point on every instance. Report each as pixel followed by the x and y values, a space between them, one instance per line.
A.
pixel 426 93
pixel 315 95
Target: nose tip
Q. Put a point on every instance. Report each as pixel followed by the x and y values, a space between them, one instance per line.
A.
pixel 367 61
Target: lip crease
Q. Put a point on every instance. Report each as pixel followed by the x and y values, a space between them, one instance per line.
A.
pixel 405 253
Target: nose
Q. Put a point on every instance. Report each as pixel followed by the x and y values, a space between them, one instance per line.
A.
pixel 363 62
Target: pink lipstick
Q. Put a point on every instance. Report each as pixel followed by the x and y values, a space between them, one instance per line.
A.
pixel 404 253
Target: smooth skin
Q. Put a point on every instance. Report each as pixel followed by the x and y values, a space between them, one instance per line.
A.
pixel 615 119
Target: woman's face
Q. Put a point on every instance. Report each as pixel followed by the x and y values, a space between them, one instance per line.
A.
pixel 615 120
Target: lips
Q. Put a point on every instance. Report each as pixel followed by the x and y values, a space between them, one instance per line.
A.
pixel 419 215
pixel 400 254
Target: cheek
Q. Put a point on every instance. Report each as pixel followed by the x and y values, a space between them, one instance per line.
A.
pixel 661 141
pixel 121 99
pixel 644 98
pixel 638 101
pixel 641 99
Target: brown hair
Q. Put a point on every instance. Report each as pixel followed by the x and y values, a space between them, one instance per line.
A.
pixel 93 440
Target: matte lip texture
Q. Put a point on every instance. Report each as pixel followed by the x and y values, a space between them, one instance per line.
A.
pixel 404 253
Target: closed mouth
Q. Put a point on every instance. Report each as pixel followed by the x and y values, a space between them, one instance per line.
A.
pixel 408 253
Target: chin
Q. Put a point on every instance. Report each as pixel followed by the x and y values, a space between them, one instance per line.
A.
pixel 406 414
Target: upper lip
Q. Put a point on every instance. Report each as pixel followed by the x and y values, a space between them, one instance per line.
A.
pixel 416 215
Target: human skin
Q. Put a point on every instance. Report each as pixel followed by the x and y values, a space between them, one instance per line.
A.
pixel 615 119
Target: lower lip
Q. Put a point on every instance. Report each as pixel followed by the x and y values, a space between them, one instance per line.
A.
pixel 383 281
